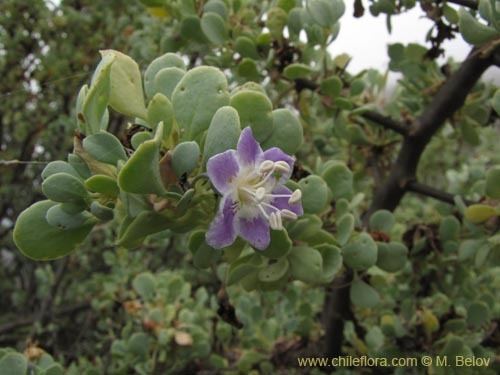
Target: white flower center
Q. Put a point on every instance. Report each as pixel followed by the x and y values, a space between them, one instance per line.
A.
pixel 253 193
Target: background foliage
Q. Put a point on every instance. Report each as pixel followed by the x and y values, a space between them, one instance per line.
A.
pixel 427 152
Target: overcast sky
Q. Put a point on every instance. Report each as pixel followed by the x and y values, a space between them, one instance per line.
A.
pixel 366 39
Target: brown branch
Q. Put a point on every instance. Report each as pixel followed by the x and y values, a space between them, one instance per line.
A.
pixel 449 99
pixel 429 191
pixel 375 117
pixel 385 121
pixel 336 311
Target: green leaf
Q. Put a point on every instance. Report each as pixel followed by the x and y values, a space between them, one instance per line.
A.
pixel 145 285
pixel 468 248
pixel 247 69
pixel 160 110
pixel 196 98
pixel 479 213
pixel 382 221
pixel 140 137
pixel 345 227
pixel 363 295
pixel 332 261
pixel 80 117
pixel 279 246
pixel 449 229
pixel 326 12
pixel 297 70
pixel 391 256
pixel 58 217
pixel 331 87
pixel 469 132
pixel 191 29
pixel 126 95
pixel 361 252
pixel 314 194
pixel 478 314
pixel 246 47
pixel 495 101
pixel 79 165
pixel 185 157
pixel 101 212
pixel 104 147
pixel 455 346
pixel 473 31
pixel 287 5
pixel 294 22
pixel 242 268
pixel 339 179
pixel 46 242
pixel 63 187
pixel 287 134
pixel 59 166
pixel 223 132
pixel 167 79
pixel 216 6
pixel 306 264
pixel 168 60
pixel 138 344
pixel 144 224
pixel 141 173
pixel 96 99
pixel 492 188
pixel 102 184
pixel 274 271
pixel 204 256
pixel 450 14
pixel 276 21
pixel 214 27
pixel 13 364
pixel 255 110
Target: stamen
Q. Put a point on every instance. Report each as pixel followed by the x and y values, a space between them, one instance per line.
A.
pixel 273 221
pixel 269 206
pixel 279 221
pixel 264 212
pixel 282 166
pixel 287 214
pixel 260 193
pixel 266 166
pixel 296 197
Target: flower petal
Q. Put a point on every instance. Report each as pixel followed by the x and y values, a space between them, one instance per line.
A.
pixel 282 203
pixel 276 154
pixel 222 232
pixel 222 168
pixel 249 150
pixel 255 231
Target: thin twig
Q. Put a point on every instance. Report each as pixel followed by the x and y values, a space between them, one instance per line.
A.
pixel 429 191
pixel 17 162
pixel 385 121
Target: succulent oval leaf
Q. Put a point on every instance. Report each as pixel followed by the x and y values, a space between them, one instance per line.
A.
pixel 46 242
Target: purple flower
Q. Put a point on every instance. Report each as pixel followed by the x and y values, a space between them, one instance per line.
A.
pixel 254 198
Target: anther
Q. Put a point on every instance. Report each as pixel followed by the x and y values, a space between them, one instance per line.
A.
pixel 266 166
pixel 273 221
pixel 287 214
pixel 282 166
pixel 279 223
pixel 296 197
